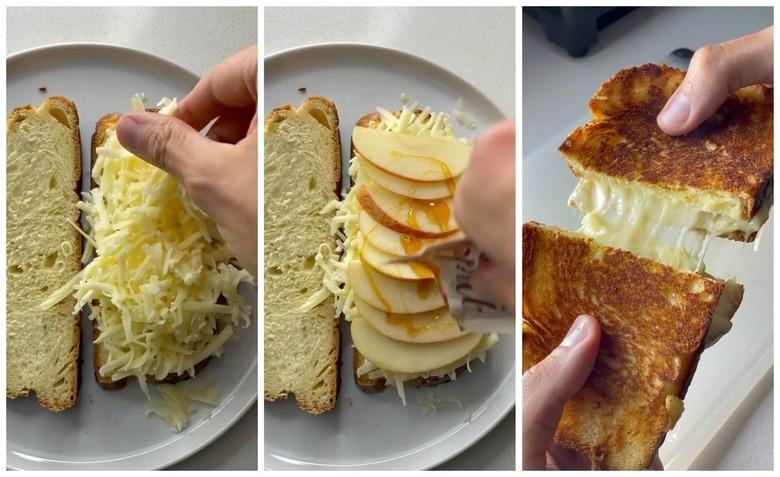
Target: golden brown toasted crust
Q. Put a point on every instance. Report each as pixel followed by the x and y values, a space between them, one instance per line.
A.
pixel 100 356
pixel 16 115
pixel 653 323
pixel 730 153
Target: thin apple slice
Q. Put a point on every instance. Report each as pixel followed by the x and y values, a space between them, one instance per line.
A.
pixel 416 158
pixel 389 294
pixel 407 188
pixel 411 358
pixel 427 327
pixel 380 261
pixel 390 241
pixel 419 218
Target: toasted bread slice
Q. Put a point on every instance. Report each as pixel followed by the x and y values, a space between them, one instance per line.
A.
pixel 654 321
pixel 99 354
pixel 302 171
pixel 43 174
pixel 724 167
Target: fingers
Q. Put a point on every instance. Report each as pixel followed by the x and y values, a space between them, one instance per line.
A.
pixel 567 459
pixel 230 85
pixel 494 283
pixel 171 145
pixel 232 126
pixel 550 383
pixel 656 463
pixel 715 72
pixel 484 204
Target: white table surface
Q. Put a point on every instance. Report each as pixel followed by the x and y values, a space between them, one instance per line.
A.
pixel 555 90
pixel 475 43
pixel 195 38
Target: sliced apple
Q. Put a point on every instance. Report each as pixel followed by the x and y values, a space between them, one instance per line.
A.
pixel 416 158
pixel 389 294
pixel 419 218
pixel 427 327
pixel 390 241
pixel 411 358
pixel 415 190
pixel 380 261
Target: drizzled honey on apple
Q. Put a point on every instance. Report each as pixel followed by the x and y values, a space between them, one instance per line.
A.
pixel 404 172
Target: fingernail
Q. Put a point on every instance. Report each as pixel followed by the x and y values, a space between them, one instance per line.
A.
pixel 676 111
pixel 129 130
pixel 576 333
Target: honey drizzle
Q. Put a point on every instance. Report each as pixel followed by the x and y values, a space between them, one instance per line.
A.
pixel 412 330
pixel 371 280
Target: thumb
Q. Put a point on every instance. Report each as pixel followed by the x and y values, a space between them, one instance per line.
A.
pixel 553 381
pixel 715 72
pixel 167 143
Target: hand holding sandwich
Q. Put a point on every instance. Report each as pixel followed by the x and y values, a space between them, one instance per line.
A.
pixel 485 211
pixel 546 388
pixel 715 72
pixel 220 169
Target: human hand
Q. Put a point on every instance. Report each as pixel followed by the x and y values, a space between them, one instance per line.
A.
pixel 219 170
pixel 715 72
pixel 485 211
pixel 546 388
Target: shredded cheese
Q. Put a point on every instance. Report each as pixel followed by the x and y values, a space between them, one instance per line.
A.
pixel 160 286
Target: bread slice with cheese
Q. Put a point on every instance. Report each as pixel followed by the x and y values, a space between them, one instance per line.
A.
pixel 302 168
pixel 99 353
pixel 385 327
pixel 377 383
pixel 43 250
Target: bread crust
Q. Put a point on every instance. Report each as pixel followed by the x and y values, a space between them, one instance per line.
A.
pixel 16 115
pixel 106 122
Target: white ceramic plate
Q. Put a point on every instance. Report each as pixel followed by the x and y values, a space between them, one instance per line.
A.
pixel 727 371
pixel 110 429
pixel 374 431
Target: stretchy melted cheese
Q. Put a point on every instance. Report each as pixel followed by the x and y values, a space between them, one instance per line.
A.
pixel 663 228
pixel 655 225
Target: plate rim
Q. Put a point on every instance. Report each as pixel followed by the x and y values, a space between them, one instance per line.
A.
pixel 444 455
pixel 386 50
pixel 13 460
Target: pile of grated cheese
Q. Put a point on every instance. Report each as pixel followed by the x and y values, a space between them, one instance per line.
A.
pixel 160 285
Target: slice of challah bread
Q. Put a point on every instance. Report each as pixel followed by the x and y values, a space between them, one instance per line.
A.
pixel 43 171
pixel 302 168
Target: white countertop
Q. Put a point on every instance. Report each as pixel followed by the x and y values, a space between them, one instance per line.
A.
pixel 555 92
pixel 195 38
pixel 463 42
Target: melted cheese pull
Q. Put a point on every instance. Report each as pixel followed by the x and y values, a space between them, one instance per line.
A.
pixel 160 286
pixel 656 225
